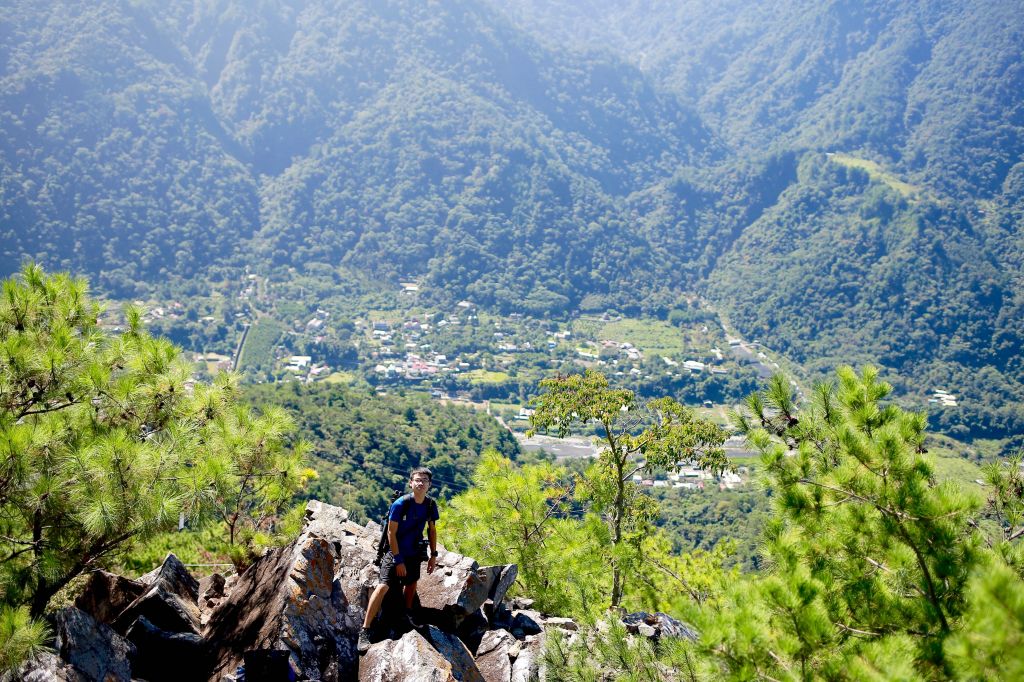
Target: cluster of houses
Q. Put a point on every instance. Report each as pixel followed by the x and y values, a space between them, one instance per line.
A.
pixel 172 310
pixel 314 325
pixel 302 367
pixel 944 398
pixel 691 478
pixel 415 366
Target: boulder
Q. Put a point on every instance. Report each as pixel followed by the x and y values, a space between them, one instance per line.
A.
pixel 567 624
pixel 211 592
pixel 455 590
pixel 663 625
pixel 289 600
pixel 455 652
pixel 494 655
pixel 502 578
pixel 170 601
pixel 270 665
pixel 332 524
pixel 91 648
pixel 211 587
pixel 519 603
pixel 527 664
pixel 498 615
pixel 167 656
pixel 525 623
pixel 44 667
pixel 409 659
pixel 106 595
pixel 356 571
pixel 472 629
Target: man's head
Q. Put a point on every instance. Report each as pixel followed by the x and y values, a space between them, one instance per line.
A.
pixel 420 479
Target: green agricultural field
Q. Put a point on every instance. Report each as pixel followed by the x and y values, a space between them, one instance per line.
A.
pixel 652 337
pixel 259 344
pixel 340 377
pixel 482 376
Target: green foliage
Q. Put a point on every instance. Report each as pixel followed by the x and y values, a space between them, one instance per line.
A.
pixel 869 556
pixel 363 445
pixel 257 352
pixel 21 636
pixel 510 516
pixel 526 514
pixel 609 653
pixel 989 643
pixel 662 434
pixel 104 445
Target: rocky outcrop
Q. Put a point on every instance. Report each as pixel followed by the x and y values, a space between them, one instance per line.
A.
pixel 657 625
pixel 91 650
pixel 409 658
pixel 289 600
pixel 295 614
pixel 170 602
pixel 106 595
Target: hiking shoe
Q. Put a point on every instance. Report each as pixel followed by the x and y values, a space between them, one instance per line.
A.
pixel 363 645
pixel 413 621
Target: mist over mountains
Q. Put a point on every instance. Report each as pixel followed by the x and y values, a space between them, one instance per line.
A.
pixel 844 181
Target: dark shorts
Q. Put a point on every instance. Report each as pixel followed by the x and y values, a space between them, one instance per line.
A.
pixel 389 575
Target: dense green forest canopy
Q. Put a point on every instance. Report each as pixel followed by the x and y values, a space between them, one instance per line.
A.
pixel 364 445
pixel 861 163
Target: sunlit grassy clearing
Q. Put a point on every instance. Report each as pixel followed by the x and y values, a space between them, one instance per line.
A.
pixel 877 173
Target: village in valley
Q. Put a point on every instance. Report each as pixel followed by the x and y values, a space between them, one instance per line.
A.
pixel 460 353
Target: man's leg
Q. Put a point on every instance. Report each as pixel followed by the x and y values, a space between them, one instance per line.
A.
pixel 410 594
pixel 373 606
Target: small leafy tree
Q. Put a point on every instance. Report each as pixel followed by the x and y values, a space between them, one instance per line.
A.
pixel 104 441
pixel 659 435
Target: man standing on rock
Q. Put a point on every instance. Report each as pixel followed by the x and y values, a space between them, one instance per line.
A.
pixel 401 566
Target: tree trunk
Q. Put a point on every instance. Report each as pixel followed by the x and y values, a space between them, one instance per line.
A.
pixel 620 504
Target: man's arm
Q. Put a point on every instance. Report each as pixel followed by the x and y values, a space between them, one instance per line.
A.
pixel 393 538
pixel 432 537
pixel 393 541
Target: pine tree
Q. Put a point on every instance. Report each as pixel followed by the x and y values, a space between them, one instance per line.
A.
pixel 104 440
pixel 869 555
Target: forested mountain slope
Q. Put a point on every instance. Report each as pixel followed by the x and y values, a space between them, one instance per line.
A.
pixel 405 139
pixel 842 180
pixel 905 248
pixel 933 87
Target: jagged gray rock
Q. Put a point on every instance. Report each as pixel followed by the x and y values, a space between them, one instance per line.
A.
pixel 92 648
pixel 455 589
pixel 409 659
pixel 662 624
pixel 502 578
pixel 567 624
pixel 455 652
pixel 494 655
pixel 211 592
pixel 167 656
pixel 44 667
pixel 527 664
pixel 106 595
pixel 170 602
pixel 296 613
pixel 289 599
pixel 525 623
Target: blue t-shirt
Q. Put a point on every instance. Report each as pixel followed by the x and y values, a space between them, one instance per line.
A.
pixel 412 519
